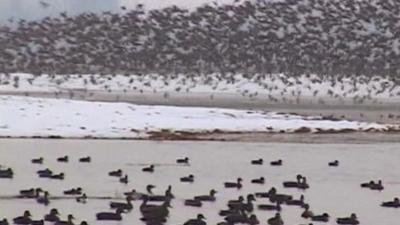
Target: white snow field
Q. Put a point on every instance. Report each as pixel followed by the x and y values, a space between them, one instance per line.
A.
pixel 39 117
pixel 274 87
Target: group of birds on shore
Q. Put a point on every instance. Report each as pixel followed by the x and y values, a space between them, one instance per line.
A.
pixel 274 88
pixel 239 211
pixel 292 37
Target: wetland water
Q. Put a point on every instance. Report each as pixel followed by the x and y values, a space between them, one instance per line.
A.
pixel 333 190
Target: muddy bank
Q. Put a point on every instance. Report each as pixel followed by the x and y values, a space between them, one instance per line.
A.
pixel 301 136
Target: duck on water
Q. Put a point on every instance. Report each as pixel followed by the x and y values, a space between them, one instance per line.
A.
pixel 260 180
pixel 25 219
pixel 247 206
pixel 188 179
pixel 259 161
pixel 30 193
pixel 276 220
pixel 110 215
pixel 352 220
pixel 43 199
pixel 210 198
pixel 198 221
pixel 122 205
pixel 183 161
pixel 160 198
pixel 151 210
pixel 237 184
pixel 37 160
pixel 53 216
pixel 67 222
pixel 6 173
pixel 392 204
pixel 301 183
pixel 373 186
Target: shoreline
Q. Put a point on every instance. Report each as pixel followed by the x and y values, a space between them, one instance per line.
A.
pixel 352 137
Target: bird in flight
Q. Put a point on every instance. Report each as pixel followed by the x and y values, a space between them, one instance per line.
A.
pixel 44 4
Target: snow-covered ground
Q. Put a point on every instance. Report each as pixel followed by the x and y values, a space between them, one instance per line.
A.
pixel 274 88
pixel 28 117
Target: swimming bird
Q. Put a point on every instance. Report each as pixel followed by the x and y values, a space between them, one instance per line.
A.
pixel 25 219
pixel 30 193
pixel 155 210
pixel 352 220
pixel 392 204
pixel 193 202
pixel 367 185
pixel 289 184
pixel 276 207
pixel 198 221
pixel 6 173
pixel 45 173
pixel 122 205
pixel 260 180
pixel 149 169
pixel 253 220
pixel 62 159
pixel 276 163
pixel 301 183
pixel 276 220
pixel 321 218
pixel 53 216
pixel 168 195
pixel 153 220
pixel 110 215
pixel 73 191
pixel 247 206
pixel 116 173
pixel 257 161
pixel 183 161
pixel 86 159
pixel 124 179
pixel 237 201
pixel 275 197
pixel 235 217
pixel 377 186
pixel 307 213
pixel 68 222
pixel 43 199
pixel 373 186
pixel 131 193
pixel 149 189
pixel 334 163
pixel 227 212
pixel 81 199
pixel 237 184
pixel 59 176
pixel 297 202
pixel 37 161
pixel 189 179
pixel 209 198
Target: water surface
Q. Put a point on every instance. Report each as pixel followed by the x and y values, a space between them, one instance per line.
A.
pixel 333 190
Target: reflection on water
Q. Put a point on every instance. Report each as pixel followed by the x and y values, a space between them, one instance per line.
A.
pixel 36 9
pixel 333 190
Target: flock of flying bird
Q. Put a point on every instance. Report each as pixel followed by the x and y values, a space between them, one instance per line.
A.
pixel 289 36
pixel 239 211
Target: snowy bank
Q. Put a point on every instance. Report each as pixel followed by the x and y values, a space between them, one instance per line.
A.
pixel 36 117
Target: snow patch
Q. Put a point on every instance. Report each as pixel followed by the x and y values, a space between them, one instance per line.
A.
pixel 37 117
